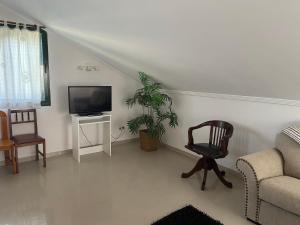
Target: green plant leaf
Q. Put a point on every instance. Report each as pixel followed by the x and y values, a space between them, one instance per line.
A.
pixel 157 107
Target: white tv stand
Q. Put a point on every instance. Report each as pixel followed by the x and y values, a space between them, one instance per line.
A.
pixel 78 121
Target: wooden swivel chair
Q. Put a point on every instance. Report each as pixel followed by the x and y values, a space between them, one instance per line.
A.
pixel 17 117
pixel 220 132
pixel 6 144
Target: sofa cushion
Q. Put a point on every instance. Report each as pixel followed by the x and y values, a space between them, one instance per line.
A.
pixel 290 150
pixel 282 191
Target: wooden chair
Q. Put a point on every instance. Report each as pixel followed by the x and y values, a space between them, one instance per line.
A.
pixel 220 132
pixel 23 117
pixel 6 144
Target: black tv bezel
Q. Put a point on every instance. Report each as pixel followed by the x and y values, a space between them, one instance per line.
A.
pixel 89 113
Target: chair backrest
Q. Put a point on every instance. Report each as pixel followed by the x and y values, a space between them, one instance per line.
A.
pixel 4 125
pixel 218 130
pixel 22 116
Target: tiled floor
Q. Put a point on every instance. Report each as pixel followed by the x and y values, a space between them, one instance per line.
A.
pixel 130 188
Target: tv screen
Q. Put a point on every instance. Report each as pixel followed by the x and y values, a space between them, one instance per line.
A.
pixel 86 100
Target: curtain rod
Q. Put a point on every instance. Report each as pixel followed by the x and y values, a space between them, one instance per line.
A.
pixel 20 24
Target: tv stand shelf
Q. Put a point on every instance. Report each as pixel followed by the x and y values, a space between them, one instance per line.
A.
pixel 94 121
pixel 78 121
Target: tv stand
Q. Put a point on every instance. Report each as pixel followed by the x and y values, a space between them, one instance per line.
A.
pixel 77 121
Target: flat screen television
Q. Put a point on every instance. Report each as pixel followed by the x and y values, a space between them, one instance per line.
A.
pixel 89 100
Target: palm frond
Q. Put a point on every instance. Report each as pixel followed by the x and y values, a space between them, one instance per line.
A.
pixel 158 107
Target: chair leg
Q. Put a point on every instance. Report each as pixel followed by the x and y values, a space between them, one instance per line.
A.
pixel 6 158
pixel 13 160
pixel 44 154
pixel 219 174
pixel 204 180
pixel 16 159
pixel 37 152
pixel 197 167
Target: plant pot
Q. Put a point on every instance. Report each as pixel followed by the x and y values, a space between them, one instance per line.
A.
pixel 147 142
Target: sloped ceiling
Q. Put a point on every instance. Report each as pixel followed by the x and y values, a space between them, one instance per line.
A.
pixel 239 47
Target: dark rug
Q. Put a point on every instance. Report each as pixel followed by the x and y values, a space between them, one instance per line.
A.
pixel 187 216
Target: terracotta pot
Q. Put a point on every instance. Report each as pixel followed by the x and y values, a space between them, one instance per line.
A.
pixel 147 142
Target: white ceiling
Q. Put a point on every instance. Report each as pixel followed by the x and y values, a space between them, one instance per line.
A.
pixel 237 47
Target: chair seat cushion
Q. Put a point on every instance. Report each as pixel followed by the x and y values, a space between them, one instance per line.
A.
pixel 205 149
pixel 27 139
pixel 282 191
pixel 5 144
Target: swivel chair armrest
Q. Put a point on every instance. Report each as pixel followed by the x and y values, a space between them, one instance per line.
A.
pixel 190 132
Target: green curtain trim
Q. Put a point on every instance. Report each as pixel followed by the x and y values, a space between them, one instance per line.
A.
pixel 45 63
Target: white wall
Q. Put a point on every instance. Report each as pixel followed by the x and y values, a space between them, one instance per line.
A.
pixel 230 46
pixel 255 123
pixel 64 57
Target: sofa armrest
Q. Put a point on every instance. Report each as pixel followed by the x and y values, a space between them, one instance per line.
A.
pixel 254 168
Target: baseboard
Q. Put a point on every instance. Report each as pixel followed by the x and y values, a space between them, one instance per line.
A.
pixel 58 153
pixel 116 143
pixel 49 155
pixel 181 152
pixel 194 156
pixel 124 141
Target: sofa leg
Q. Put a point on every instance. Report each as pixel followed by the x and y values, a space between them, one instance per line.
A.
pixel 252 221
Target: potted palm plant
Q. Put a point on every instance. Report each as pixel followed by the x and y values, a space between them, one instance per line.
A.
pixel 156 108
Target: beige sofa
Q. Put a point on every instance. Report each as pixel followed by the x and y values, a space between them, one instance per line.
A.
pixel 272 183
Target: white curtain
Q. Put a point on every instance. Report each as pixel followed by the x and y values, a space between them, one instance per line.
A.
pixel 21 83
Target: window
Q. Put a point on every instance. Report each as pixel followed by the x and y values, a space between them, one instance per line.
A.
pixel 24 70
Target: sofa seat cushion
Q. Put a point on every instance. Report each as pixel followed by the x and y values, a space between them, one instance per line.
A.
pixel 282 191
